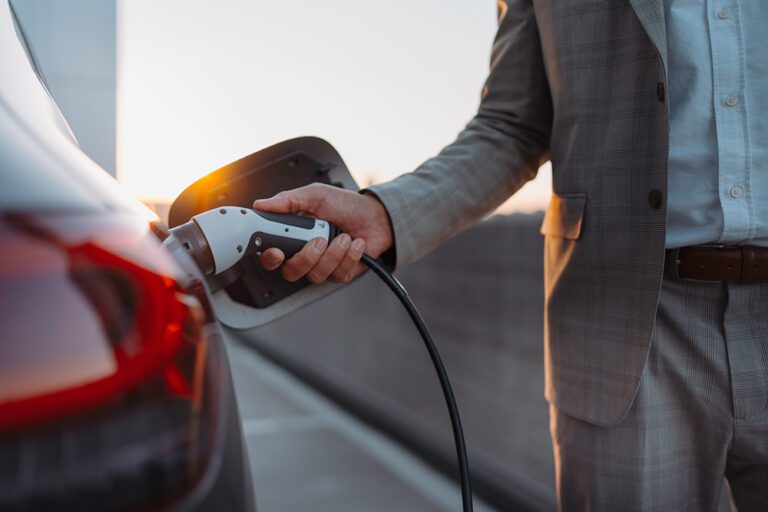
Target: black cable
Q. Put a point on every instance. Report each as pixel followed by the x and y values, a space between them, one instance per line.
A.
pixel 445 384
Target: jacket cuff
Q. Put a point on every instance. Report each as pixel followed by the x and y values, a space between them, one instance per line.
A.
pixel 402 251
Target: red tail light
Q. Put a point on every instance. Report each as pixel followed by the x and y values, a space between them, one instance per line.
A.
pixel 89 310
pixel 110 373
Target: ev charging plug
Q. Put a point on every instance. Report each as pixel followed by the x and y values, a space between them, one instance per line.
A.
pixel 219 238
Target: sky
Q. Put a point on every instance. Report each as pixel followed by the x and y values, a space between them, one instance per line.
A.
pixel 203 83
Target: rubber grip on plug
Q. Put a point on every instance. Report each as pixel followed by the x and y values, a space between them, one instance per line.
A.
pixel 290 220
pixel 262 241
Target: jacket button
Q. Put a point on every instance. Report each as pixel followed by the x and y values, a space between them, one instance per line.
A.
pixel 660 91
pixel 655 198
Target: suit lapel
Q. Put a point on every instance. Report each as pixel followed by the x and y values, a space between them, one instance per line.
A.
pixel 651 15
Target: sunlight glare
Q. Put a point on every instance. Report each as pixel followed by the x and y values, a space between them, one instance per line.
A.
pixel 201 84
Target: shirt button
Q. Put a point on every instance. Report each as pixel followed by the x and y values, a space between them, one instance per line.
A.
pixel 655 198
pixel 660 91
pixel 736 191
pixel 731 101
pixel 723 13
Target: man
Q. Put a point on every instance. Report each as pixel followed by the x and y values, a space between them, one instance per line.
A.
pixel 653 113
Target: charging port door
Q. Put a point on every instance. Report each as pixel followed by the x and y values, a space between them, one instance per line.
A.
pixel 247 295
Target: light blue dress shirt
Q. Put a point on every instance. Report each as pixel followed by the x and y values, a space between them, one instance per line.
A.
pixel 718 98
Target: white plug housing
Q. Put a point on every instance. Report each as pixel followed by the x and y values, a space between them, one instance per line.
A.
pixel 228 231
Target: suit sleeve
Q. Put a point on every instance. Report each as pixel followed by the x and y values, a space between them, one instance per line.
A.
pixel 499 150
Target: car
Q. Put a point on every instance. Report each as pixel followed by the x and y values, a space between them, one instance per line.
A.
pixel 115 388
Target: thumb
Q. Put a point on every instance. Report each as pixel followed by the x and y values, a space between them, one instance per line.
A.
pixel 300 200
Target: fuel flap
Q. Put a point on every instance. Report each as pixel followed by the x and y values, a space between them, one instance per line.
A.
pixel 247 295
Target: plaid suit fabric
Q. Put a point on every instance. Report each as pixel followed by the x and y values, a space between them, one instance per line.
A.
pixel 579 82
pixel 746 332
pixel 701 412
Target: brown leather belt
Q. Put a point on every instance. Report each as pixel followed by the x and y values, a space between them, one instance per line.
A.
pixel 729 263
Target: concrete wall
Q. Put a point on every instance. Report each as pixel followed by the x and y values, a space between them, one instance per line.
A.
pixel 75 44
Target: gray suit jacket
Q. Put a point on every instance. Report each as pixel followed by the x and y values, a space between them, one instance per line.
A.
pixel 582 83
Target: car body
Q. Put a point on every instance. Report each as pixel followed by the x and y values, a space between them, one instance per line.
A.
pixel 115 389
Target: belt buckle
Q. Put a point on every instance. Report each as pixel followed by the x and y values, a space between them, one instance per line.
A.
pixel 674 269
pixel 674 263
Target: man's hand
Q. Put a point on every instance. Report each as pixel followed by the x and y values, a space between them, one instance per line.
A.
pixel 362 219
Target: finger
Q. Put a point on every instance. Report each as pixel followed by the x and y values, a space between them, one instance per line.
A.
pixel 272 258
pixel 343 272
pixel 300 200
pixel 304 260
pixel 330 259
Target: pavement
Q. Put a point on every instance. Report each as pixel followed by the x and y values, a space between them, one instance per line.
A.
pixel 306 453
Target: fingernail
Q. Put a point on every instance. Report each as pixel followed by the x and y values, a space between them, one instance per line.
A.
pixel 344 241
pixel 272 258
pixel 359 244
pixel 319 245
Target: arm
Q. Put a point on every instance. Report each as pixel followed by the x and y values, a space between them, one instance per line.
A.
pixel 499 150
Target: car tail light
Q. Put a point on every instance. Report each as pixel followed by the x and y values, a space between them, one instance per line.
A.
pixel 106 399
